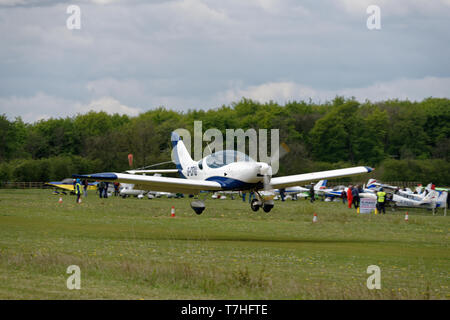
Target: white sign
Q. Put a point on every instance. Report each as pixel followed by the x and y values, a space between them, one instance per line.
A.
pixel 367 205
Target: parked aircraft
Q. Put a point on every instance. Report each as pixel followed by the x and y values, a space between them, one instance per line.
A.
pixel 302 192
pixel 68 185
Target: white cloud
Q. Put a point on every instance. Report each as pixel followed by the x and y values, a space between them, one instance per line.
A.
pixel 109 105
pixel 36 107
pixel 138 54
pixel 412 89
pixel 43 106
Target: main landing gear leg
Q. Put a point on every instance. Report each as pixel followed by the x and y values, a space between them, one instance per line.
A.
pixel 199 205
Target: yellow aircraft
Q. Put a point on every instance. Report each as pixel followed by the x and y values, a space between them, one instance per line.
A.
pixel 67 184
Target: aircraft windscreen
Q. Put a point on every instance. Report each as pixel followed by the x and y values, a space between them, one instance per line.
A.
pixel 222 158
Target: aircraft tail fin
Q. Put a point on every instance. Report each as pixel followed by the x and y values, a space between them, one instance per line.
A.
pixel 430 196
pixel 371 183
pixel 320 185
pixel 180 155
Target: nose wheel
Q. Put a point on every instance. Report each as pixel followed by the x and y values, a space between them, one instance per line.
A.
pixel 255 204
pixel 267 207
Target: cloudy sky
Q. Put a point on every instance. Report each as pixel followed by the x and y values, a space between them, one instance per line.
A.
pixel 136 55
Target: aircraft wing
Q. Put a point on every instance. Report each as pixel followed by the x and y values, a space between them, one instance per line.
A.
pixel 152 171
pixel 288 181
pixel 60 185
pixel 153 183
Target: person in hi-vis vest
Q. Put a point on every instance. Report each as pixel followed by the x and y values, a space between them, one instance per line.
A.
pixel 381 200
pixel 78 189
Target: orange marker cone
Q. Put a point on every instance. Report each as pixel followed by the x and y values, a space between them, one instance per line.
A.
pixel 315 217
pixel 172 212
pixel 60 200
pixel 406 216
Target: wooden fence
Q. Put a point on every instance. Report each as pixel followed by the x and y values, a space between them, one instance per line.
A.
pixel 23 185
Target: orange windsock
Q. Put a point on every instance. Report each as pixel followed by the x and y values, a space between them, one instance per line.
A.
pixel 130 160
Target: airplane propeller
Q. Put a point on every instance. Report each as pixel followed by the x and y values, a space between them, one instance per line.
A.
pixel 266 171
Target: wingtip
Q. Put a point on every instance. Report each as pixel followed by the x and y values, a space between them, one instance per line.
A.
pixel 369 169
pixel 97 176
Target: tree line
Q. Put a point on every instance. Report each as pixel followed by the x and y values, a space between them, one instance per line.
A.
pixel 403 140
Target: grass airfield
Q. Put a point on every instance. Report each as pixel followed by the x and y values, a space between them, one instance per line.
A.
pixel 133 249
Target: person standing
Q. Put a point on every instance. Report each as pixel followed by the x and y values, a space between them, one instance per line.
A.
pixel 105 191
pixel 312 193
pixel 344 196
pixel 355 196
pixel 85 186
pixel 283 194
pixel 381 199
pixel 101 187
pixel 349 196
pixel 116 188
pixel 78 189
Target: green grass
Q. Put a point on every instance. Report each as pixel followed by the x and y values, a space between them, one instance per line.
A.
pixel 133 249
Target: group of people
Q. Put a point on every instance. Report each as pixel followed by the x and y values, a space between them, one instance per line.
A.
pixel 353 198
pixel 102 188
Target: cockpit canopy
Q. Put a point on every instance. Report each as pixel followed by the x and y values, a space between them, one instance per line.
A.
pixel 222 158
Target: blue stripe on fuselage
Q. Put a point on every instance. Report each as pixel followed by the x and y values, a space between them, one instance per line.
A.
pixel 234 184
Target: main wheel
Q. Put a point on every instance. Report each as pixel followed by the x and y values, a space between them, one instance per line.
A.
pixel 267 207
pixel 255 205
pixel 198 206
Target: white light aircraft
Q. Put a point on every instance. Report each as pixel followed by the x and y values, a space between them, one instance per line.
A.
pixel 301 192
pixel 220 171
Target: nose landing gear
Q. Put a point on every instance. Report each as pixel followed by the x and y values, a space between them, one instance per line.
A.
pixel 260 201
pixel 255 204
